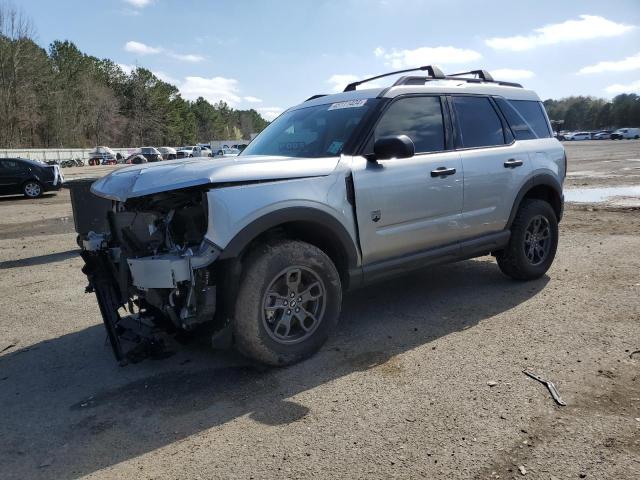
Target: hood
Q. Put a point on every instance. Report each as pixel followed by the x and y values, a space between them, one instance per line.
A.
pixel 149 178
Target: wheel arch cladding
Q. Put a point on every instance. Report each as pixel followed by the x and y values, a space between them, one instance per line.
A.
pixel 309 225
pixel 541 187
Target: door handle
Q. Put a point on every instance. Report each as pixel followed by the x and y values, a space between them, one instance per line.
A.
pixel 442 172
pixel 512 163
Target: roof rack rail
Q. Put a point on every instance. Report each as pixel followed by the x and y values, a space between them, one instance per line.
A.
pixel 483 74
pixel 485 77
pixel 313 97
pixel 433 71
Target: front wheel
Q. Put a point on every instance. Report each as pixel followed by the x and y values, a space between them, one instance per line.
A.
pixel 32 189
pixel 533 242
pixel 288 303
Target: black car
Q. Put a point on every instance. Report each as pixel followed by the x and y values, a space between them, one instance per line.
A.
pixel 31 178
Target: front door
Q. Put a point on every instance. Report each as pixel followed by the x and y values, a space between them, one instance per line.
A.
pixel 11 176
pixel 408 205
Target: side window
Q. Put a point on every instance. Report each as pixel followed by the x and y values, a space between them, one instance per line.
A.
pixel 479 123
pixel 11 166
pixel 419 118
pixel 533 113
pixel 518 125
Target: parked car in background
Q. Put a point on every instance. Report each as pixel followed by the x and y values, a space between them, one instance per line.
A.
pixel 136 159
pixel 577 136
pixel 622 133
pixel 601 135
pixel 152 154
pixel 192 151
pixel 227 152
pixel 102 156
pixel 168 153
pixel 240 146
pixel 31 178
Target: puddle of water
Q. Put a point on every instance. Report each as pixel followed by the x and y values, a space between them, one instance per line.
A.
pixel 624 196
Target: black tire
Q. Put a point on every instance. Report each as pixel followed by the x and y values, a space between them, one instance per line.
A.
pixel 515 260
pixel 256 327
pixel 32 189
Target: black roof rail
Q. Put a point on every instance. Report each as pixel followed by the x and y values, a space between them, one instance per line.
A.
pixel 432 70
pixel 483 74
pixel 313 97
pixel 417 80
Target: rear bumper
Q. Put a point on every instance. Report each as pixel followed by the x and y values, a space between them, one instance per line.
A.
pixel 50 187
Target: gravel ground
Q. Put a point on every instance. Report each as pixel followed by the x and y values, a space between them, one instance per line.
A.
pixel 423 379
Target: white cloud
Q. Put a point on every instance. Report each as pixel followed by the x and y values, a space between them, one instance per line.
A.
pixel 138 3
pixel 141 48
pixel 587 27
pixel 212 89
pixel 252 99
pixel 633 87
pixel 427 56
pixel 339 81
pixel 270 113
pixel 127 68
pixel 189 57
pixel 165 77
pixel 626 65
pixel 511 74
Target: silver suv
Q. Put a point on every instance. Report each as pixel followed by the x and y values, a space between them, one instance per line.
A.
pixel 340 191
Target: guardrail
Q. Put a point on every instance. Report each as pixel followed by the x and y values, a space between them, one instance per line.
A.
pixel 59 154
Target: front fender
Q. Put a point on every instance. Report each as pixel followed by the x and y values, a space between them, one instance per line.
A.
pixel 238 214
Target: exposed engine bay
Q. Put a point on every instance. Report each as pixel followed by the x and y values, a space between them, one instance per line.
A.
pixel 155 263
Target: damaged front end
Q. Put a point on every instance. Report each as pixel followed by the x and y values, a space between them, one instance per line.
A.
pixel 154 265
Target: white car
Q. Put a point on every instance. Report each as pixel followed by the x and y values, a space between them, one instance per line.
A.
pixel 577 136
pixel 227 152
pixel 193 151
pixel 623 133
pixel 168 153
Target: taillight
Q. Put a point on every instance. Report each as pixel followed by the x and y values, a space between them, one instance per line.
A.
pixel 565 165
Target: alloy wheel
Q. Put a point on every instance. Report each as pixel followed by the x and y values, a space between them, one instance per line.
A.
pixel 537 240
pixel 32 189
pixel 293 305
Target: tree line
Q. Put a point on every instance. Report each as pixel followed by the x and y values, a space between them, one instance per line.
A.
pixel 62 97
pixel 590 113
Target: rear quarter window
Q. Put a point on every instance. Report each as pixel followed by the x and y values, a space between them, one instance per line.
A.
pixel 518 124
pixel 478 122
pixel 534 114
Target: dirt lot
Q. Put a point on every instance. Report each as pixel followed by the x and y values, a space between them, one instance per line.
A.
pixel 422 380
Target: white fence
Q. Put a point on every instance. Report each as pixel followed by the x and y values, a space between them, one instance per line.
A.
pixel 45 154
pixel 59 154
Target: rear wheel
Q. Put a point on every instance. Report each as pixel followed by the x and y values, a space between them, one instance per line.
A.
pixel 32 189
pixel 288 302
pixel 533 242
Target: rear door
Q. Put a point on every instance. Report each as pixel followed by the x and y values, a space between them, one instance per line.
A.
pixel 405 205
pixel 495 165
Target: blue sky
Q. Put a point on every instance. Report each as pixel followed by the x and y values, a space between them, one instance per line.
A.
pixel 272 54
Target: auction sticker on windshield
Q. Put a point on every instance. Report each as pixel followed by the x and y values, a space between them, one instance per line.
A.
pixel 348 104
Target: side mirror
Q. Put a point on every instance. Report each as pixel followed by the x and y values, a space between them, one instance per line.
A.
pixel 393 146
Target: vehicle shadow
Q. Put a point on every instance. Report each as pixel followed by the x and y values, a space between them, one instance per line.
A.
pixel 70 410
pixel 40 259
pixel 21 198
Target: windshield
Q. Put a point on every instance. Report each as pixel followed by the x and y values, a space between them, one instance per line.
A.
pixel 315 132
